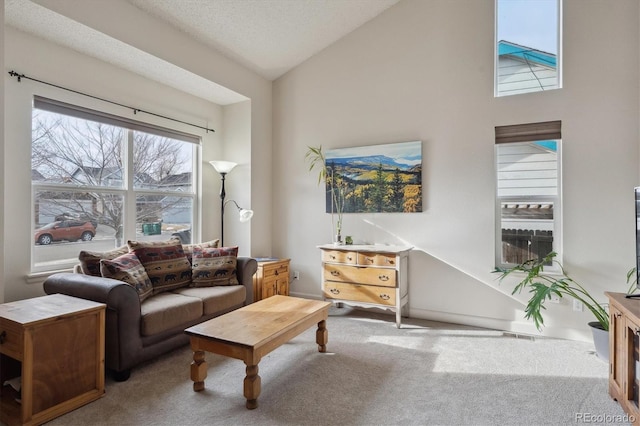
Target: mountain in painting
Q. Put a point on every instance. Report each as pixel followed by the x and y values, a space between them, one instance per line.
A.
pixel 369 162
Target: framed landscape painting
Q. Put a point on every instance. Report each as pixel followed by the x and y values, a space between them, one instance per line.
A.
pixel 375 179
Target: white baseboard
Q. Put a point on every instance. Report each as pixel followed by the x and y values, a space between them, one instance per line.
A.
pixel 525 328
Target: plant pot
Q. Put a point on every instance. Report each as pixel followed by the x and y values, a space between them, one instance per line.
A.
pixel 600 340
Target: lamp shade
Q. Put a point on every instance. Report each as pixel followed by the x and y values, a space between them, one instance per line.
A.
pixel 223 166
pixel 245 215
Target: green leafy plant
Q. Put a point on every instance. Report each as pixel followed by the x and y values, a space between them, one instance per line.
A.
pixel 543 286
pixel 316 159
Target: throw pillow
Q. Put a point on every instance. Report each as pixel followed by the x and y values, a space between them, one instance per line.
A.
pixel 214 266
pixel 128 268
pixel 165 262
pixel 90 260
pixel 188 248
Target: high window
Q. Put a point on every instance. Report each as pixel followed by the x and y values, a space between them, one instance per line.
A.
pixel 99 180
pixel 528 46
pixel 528 192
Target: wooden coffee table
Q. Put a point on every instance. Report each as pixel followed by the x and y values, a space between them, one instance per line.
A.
pixel 253 331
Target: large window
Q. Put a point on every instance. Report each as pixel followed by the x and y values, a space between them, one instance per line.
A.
pixel 528 192
pixel 99 180
pixel 528 46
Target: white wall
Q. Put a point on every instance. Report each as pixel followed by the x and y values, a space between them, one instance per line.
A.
pixel 2 157
pixel 423 70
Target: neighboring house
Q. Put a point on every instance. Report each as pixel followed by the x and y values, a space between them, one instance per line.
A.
pixel 150 208
pixel 522 69
pixel 109 176
pixel 179 182
pixel 527 182
pixel 176 210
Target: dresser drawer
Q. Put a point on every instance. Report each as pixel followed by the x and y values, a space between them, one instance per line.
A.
pixel 276 269
pixel 338 256
pixel 12 339
pixel 377 259
pixel 354 274
pixel 359 293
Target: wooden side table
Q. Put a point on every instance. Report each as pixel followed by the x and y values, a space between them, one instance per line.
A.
pixel 271 278
pixel 55 343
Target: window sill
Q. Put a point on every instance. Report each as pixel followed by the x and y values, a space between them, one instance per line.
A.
pixel 39 277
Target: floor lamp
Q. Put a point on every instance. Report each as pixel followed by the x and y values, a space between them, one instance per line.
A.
pixel 224 167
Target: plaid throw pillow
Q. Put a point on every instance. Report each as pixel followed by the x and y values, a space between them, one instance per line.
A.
pixel 214 266
pixel 165 262
pixel 128 268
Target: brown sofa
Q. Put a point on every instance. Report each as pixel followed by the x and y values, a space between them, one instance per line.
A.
pixel 138 331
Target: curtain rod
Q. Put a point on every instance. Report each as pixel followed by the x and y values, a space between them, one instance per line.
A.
pixel 19 77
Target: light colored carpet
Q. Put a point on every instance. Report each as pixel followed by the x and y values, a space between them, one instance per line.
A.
pixel 426 373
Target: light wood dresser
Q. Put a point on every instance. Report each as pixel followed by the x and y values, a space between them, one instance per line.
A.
pixel 367 276
pixel 271 278
pixel 55 344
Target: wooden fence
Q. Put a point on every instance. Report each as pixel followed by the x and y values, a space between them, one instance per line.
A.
pixel 520 245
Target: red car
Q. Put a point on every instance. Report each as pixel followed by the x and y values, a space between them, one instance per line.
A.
pixel 70 230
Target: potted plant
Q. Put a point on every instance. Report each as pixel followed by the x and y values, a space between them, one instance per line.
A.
pixel 543 286
pixel 316 159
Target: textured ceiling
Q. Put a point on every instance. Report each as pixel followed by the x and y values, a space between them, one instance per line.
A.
pixel 267 36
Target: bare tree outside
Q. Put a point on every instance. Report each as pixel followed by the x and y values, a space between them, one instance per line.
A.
pixel 77 153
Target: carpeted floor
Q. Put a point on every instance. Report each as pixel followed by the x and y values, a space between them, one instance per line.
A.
pixel 426 373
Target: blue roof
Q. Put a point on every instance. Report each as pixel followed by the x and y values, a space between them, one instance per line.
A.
pixel 550 145
pixel 524 52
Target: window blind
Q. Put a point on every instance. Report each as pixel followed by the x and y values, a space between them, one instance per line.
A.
pixel 60 107
pixel 548 130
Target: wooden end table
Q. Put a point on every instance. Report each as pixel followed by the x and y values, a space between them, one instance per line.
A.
pixel 253 331
pixel 55 344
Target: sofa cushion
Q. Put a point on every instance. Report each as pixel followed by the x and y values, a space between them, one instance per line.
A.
pixel 214 266
pixel 128 268
pixel 216 299
pixel 168 310
pixel 90 260
pixel 188 248
pixel 165 263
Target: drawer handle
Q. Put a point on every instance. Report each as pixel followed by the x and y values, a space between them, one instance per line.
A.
pixel 383 277
pixel 334 291
pixel 369 259
pixel 332 257
pixel 276 272
pixel 3 336
pixel 335 273
pixel 390 261
pixel 349 258
pixel 385 297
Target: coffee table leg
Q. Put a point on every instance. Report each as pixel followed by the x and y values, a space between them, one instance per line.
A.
pixel 322 336
pixel 198 370
pixel 252 386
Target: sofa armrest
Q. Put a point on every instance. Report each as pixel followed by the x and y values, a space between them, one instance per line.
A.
pixel 115 294
pixel 246 269
pixel 123 341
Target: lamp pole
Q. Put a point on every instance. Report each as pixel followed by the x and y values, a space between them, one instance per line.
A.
pixel 222 195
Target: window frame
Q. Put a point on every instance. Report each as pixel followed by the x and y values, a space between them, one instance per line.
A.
pixel 127 191
pixel 558 57
pixel 524 134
